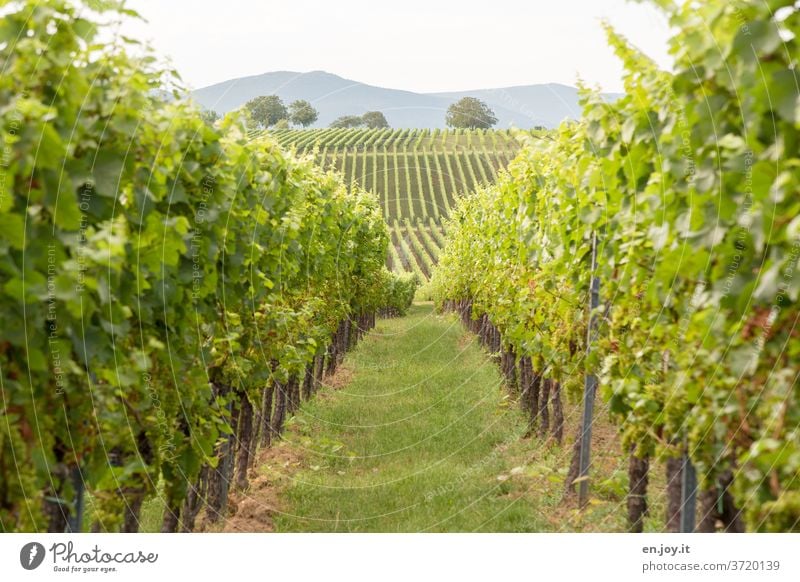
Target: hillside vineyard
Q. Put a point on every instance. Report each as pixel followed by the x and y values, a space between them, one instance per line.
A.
pixel 650 251
pixel 170 290
pixel 591 327
pixel 418 176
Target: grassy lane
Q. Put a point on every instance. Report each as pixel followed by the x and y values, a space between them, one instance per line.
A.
pixel 416 433
pixel 417 439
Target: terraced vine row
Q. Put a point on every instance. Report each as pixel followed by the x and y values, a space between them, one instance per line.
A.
pixel 415 247
pixel 417 174
pixel 650 250
pixel 170 290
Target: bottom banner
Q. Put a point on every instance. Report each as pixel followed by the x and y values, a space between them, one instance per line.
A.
pixel 372 557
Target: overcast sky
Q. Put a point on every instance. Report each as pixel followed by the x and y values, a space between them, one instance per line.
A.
pixel 419 45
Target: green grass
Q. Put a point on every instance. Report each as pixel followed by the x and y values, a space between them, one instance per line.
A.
pixel 422 436
pixel 415 441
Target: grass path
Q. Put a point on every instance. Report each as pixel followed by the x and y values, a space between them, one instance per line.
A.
pixel 418 436
pixel 416 433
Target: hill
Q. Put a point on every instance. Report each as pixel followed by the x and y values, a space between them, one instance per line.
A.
pixel 333 96
pixel 417 175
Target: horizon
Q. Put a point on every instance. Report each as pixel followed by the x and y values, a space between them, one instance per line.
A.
pixel 278 71
pixel 562 45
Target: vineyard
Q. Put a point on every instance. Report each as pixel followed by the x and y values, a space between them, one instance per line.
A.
pixel 206 327
pixel 418 176
pixel 171 290
pixel 648 254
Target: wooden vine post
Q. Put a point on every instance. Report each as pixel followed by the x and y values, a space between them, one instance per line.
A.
pixel 75 520
pixel 688 493
pixel 590 385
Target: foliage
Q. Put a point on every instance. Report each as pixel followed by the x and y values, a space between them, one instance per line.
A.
pixel 688 183
pixel 399 292
pixel 267 110
pixel 374 120
pixel 209 116
pixel 301 112
pixel 146 259
pixel 347 121
pixel 470 113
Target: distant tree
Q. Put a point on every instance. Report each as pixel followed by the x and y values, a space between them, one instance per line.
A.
pixel 348 121
pixel 281 124
pixel 470 113
pixel 374 120
pixel 267 110
pixel 209 116
pixel 302 113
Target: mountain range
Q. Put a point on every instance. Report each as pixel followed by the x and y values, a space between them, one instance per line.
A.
pixel 522 106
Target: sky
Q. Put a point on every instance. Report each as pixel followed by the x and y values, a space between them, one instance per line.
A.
pixel 417 45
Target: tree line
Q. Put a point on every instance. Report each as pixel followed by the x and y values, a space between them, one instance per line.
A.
pixel 269 111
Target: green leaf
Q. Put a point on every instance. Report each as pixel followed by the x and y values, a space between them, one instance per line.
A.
pixel 768 284
pixel 11 29
pixel 68 214
pixel 12 229
pixel 84 29
pixel 760 37
pixel 107 172
pixel 784 94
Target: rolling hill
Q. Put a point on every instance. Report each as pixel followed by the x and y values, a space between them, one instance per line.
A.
pixel 333 96
pixel 417 175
